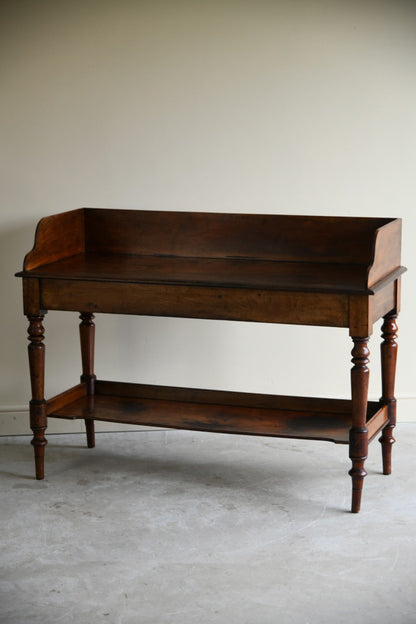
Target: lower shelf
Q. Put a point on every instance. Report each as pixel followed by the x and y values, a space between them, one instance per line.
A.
pixel 216 411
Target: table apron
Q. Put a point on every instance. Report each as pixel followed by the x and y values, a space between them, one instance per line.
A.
pixel 239 304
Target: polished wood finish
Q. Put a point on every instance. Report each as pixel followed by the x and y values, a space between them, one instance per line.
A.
pixel 38 419
pixel 68 396
pixel 226 303
pixel 57 237
pixel 328 271
pixel 388 373
pixel 358 431
pixel 221 411
pixel 87 339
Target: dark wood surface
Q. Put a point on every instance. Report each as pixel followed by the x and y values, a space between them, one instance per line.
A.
pixel 37 406
pixel 88 378
pixel 220 411
pixel 284 238
pixel 330 271
pixel 334 271
pixel 195 301
pixel 388 349
pixel 229 273
pixel 373 243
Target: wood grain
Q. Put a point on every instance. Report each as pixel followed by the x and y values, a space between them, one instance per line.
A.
pixel 327 271
pixel 217 411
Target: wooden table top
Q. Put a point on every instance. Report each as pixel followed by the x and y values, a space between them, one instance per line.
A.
pixel 223 272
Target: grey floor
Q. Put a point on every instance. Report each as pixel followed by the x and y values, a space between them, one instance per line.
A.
pixel 181 527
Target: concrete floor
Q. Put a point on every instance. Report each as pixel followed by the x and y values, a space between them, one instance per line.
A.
pixel 192 528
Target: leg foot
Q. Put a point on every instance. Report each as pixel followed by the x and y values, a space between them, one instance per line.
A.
pixel 90 429
pixel 39 442
pixel 387 440
pixel 357 475
pixel 358 445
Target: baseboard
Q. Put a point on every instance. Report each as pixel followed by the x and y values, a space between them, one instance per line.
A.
pixel 14 420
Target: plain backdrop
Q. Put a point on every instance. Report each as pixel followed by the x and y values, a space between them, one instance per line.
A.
pixel 296 107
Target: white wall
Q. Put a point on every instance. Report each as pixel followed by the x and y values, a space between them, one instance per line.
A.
pixel 252 106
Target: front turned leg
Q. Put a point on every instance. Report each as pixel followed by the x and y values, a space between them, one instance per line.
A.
pixel 388 374
pixel 38 419
pixel 87 339
pixel 358 431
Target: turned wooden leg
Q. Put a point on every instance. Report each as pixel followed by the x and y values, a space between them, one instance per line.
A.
pixel 38 419
pixel 358 431
pixel 87 336
pixel 388 374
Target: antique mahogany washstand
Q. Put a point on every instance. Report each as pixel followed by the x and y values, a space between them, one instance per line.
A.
pixel 327 271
